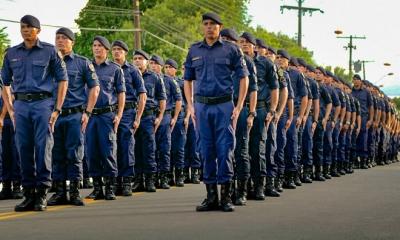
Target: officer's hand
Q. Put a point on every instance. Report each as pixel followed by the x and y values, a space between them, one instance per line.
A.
pixel 250 121
pixel 313 127
pixel 352 127
pixel 298 122
pixel 376 125
pixel 116 123
pixel 369 123
pixel 84 122
pixel 157 122
pixel 324 122
pixel 333 124
pixel 136 124
pixel 346 127
pixel 172 124
pixel 276 118
pixel 358 131
pixel 235 116
pixel 190 110
pixel 287 124
pixel 304 121
pixel 52 120
pixel 186 123
pixel 1 123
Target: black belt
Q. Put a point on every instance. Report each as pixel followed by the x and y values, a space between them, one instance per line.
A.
pixel 245 104
pixel 213 100
pixel 130 105
pixel 98 111
pixel 148 112
pixel 262 104
pixel 73 110
pixel 29 97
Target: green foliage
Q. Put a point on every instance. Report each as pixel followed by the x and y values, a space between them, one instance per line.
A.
pixel 340 72
pixel 396 101
pixel 4 44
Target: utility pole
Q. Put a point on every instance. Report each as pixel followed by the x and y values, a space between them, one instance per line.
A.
pixel 301 12
pixel 363 67
pixel 136 23
pixel 350 47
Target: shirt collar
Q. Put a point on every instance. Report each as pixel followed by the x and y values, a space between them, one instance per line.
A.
pixel 38 44
pixel 204 43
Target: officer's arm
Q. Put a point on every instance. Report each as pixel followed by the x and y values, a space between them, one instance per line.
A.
pixel 359 121
pixel 353 118
pixel 378 117
pixel 141 105
pixel 121 104
pixel 303 106
pixel 188 88
pixel 7 99
pixel 283 99
pixel 178 108
pixel 92 98
pixel 3 111
pixel 308 109
pixel 178 98
pixel 244 85
pixel 337 112
pixel 316 109
pixel 61 92
pixel 274 99
pixel 290 104
pixel 342 114
pixel 328 111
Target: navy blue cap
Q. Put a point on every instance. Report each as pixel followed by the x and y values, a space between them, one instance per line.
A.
pixel 336 78
pixel 356 76
pixel 261 43
pixel 103 41
pixel 142 53
pixel 121 44
pixel 310 68
pixel 283 53
pixel 229 33
pixel 172 63
pixel 302 62
pixel 212 16
pixel 66 32
pixel 31 21
pixel 271 49
pixel 322 70
pixel 293 61
pixel 329 73
pixel 249 37
pixel 157 59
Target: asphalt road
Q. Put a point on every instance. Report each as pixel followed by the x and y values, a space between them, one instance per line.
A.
pixel 364 205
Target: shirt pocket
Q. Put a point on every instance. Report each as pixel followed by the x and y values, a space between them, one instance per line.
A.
pixel 107 83
pixel 222 67
pixel 198 67
pixel 38 69
pixel 17 70
pixel 150 89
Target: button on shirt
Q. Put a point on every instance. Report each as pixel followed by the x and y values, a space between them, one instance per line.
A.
pixel 134 83
pixel 155 88
pixel 365 99
pixel 112 83
pixel 81 73
pixel 212 68
pixel 33 70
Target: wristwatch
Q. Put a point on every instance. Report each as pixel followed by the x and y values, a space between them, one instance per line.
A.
pixel 89 114
pixel 57 110
pixel 272 113
pixel 254 114
pixel 315 121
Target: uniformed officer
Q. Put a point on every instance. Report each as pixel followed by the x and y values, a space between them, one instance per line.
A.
pixel 146 166
pixel 10 165
pixel 367 114
pixel 163 134
pixel 134 105
pixel 261 48
pixel 70 128
pixel 32 67
pixel 103 125
pixel 178 134
pixel 324 114
pixel 214 111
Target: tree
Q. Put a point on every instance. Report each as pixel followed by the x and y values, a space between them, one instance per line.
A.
pixel 4 44
pixel 340 72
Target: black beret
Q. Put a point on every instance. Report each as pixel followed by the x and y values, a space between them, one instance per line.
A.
pixel 293 61
pixel 356 76
pixel 212 16
pixel 329 73
pixel 103 41
pixel 336 78
pixel 302 62
pixel 261 43
pixel 157 59
pixel 249 37
pixel 283 53
pixel 172 63
pixel 142 53
pixel 67 32
pixel 121 44
pixel 229 33
pixel 31 21
pixel 310 68
pixel 322 70
pixel 271 49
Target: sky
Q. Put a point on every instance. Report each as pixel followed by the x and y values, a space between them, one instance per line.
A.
pixel 376 20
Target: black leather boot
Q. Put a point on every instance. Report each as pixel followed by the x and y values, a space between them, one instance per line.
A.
pixel 211 203
pixel 118 187
pixel 342 168
pixel 226 200
pixel 318 174
pixel 164 181
pixel 53 187
pixel 289 181
pixel 110 188
pixel 40 199
pixel 17 191
pixel 195 176
pixel 241 193
pixel 74 196
pixel 29 201
pixel 349 168
pixel 259 188
pixel 279 183
pixel 6 192
pixel 326 171
pixel 97 189
pixel 87 184
pixel 296 176
pixel 179 177
pixel 363 163
pixel 270 190
pixel 186 175
pixel 60 196
pixel 307 173
pixel 138 184
pixel 127 186
pixel 334 169
pixel 149 183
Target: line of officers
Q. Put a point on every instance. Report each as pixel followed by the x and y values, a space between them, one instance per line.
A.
pixel 65 117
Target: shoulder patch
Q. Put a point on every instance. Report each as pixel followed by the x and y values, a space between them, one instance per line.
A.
pixel 91 67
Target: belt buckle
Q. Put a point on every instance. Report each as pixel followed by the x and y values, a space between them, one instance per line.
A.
pixel 29 97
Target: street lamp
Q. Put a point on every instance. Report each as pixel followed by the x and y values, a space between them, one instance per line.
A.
pixel 387 74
